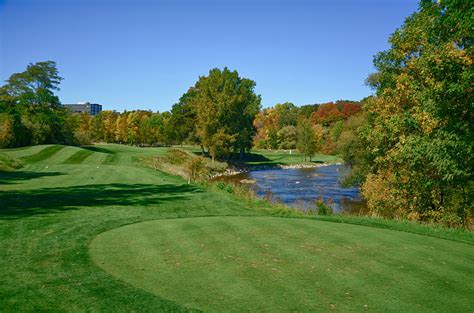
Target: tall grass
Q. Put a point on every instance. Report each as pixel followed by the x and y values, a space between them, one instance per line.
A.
pixel 179 162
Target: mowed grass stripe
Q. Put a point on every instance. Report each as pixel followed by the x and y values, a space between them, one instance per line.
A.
pixel 22 152
pixel 260 252
pixel 44 154
pixel 78 157
pixel 96 158
pixel 110 159
pixel 243 258
pixel 192 246
pixel 60 156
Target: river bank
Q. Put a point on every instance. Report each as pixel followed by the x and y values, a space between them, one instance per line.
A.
pixel 301 186
pixel 235 170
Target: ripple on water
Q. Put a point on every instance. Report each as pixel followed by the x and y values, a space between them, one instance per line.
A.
pixel 301 188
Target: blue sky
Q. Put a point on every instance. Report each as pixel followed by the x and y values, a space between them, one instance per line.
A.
pixel 145 54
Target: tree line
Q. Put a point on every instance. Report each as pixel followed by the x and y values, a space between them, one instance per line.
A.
pixel 216 113
pixel 221 113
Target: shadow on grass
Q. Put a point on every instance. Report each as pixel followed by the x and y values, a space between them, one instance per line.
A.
pixel 253 157
pixel 9 178
pixel 18 204
pixel 98 149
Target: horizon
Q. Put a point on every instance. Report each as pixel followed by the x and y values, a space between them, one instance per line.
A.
pixel 145 55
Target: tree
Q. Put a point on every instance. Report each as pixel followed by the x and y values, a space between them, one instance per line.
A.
pixel 121 128
pixel 41 76
pixel 267 124
pixel 225 106
pixel 287 113
pixel 307 141
pixel 305 111
pixel 29 98
pixel 220 144
pixel 326 114
pixel 83 128
pixel 420 129
pixel 195 168
pixel 13 132
pixel 183 117
pixel 151 129
pixel 109 125
pixel 287 137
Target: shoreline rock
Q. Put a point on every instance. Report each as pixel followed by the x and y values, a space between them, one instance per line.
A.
pixel 239 170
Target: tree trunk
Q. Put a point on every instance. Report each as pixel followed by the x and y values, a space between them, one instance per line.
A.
pixel 242 151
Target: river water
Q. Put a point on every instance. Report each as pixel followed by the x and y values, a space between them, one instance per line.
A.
pixel 300 188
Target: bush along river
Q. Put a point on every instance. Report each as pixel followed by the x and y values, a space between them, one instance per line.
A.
pixel 301 187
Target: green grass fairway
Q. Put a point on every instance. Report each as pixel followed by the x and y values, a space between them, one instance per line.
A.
pixel 280 157
pixel 274 264
pixel 263 157
pixel 59 203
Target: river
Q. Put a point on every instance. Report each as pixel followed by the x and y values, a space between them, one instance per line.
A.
pixel 300 188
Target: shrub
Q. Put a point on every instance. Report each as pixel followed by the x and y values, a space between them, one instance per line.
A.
pixel 323 208
pixel 176 156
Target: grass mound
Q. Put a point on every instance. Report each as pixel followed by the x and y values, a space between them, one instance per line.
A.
pixel 8 164
pixel 78 157
pixel 180 162
pixel 286 264
pixel 43 154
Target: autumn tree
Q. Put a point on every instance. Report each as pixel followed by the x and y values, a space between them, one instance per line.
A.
pixel 326 114
pixel 306 110
pixel 267 125
pixel 121 128
pixel 420 130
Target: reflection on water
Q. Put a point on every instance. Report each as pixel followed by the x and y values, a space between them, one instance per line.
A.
pixel 300 188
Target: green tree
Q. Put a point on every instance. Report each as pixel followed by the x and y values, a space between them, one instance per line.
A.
pixel 225 106
pixel 307 141
pixel 182 122
pixel 287 137
pixel 305 111
pixel 30 94
pixel 287 113
pixel 13 132
pixel 151 129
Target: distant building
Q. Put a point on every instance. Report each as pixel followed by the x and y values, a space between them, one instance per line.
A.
pixel 85 107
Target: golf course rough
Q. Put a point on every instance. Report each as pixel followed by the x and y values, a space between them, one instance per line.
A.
pixel 288 264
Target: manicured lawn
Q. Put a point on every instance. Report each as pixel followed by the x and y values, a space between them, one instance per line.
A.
pixel 65 198
pixel 281 157
pixel 274 264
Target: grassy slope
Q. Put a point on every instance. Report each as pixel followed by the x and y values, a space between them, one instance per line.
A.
pixel 63 197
